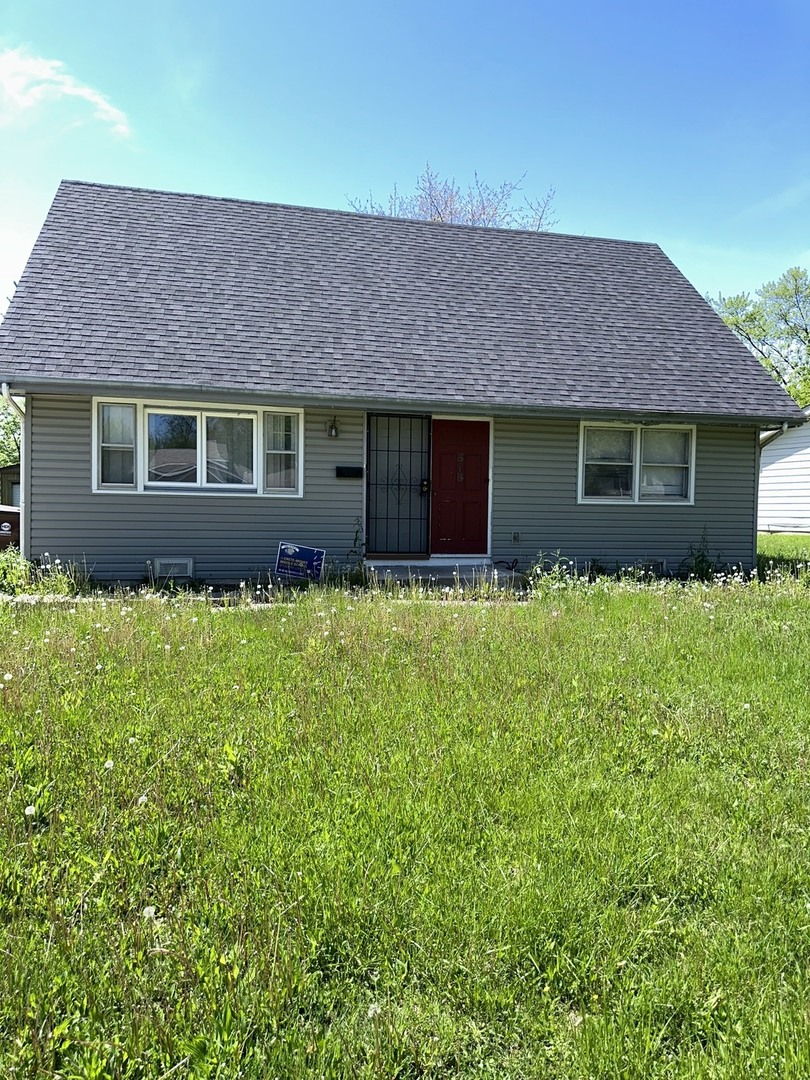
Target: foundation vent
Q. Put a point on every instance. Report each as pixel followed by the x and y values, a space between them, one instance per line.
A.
pixel 171 567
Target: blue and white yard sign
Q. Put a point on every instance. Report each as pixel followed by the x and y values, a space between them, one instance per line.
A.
pixel 296 561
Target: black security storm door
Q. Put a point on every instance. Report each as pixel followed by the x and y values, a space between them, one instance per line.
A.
pixel 398 498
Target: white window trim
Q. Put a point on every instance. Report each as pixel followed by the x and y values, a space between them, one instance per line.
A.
pixel 264 450
pixel 636 500
pixel 142 486
pixel 98 447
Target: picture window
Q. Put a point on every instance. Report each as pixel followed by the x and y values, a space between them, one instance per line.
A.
pixel 151 447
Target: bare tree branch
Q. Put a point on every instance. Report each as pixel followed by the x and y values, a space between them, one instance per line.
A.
pixel 435 199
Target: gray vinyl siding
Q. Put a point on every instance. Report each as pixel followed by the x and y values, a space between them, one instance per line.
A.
pixel 228 536
pixel 534 493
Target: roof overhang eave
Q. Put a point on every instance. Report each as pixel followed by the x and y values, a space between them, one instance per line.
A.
pixel 19 387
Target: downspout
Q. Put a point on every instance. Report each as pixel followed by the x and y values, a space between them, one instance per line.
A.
pixel 12 404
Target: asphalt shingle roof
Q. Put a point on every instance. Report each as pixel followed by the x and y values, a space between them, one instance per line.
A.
pixel 135 287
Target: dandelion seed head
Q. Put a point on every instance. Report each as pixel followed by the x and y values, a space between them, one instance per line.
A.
pixel 30 811
pixel 108 764
pixel 143 800
pixel 148 912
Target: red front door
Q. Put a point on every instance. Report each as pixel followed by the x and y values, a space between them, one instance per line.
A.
pixel 459 487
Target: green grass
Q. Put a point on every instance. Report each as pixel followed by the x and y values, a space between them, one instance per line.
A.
pixel 784 545
pixel 360 836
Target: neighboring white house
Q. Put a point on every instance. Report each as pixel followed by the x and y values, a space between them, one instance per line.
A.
pixel 784 480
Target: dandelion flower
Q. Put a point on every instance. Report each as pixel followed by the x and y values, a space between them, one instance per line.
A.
pixel 148 912
pixel 30 811
pixel 374 1009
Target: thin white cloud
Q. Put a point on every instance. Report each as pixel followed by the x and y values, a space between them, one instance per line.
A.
pixel 788 199
pixel 27 82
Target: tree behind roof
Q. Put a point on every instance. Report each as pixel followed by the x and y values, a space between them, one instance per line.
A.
pixel 9 436
pixel 775 325
pixel 477 203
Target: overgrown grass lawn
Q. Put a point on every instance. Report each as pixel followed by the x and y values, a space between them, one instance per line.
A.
pixel 784 546
pixel 360 836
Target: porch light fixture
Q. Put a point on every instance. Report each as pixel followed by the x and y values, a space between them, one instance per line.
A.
pixel 332 428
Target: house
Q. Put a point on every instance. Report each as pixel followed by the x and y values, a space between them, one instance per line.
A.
pixel 784 480
pixel 207 377
pixel 10 485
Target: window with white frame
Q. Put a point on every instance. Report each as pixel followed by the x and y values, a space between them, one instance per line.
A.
pixel 116 430
pixel 280 450
pixel 636 463
pixel 146 446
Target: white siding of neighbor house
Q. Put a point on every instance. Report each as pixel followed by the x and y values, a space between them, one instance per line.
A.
pixel 534 495
pixel 229 536
pixel 534 492
pixel 784 482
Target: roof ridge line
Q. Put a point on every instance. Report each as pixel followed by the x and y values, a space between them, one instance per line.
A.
pixel 397 221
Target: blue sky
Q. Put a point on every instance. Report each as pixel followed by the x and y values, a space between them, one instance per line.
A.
pixel 685 124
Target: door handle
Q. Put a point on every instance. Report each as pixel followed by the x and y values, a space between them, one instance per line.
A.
pixel 423 487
